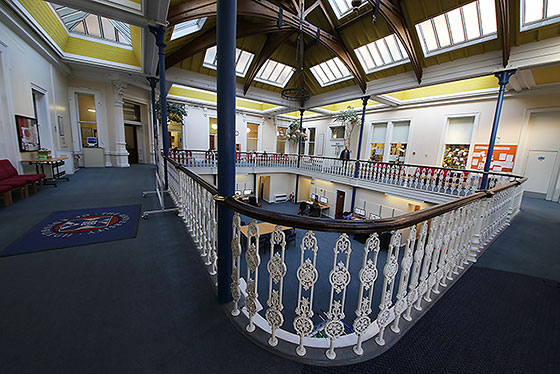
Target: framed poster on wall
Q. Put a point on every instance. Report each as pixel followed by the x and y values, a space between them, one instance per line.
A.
pixel 28 134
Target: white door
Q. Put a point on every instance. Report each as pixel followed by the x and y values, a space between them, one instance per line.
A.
pixel 539 171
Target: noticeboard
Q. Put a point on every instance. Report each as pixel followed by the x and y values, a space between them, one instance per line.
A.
pixel 503 157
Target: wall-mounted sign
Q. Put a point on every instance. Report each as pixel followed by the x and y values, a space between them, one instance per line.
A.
pixel 503 157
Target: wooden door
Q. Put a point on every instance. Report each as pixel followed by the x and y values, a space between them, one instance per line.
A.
pixel 131 143
pixel 340 196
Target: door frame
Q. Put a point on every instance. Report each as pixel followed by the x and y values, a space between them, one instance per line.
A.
pixel 135 131
pixel 523 149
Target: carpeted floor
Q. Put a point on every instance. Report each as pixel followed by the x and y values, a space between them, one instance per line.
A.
pixel 144 305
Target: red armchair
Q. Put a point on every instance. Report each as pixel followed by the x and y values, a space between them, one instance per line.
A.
pixel 9 177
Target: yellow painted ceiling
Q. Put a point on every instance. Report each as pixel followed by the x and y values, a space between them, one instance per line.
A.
pixel 344 105
pixel 45 16
pixel 546 75
pixel 466 85
pixel 211 97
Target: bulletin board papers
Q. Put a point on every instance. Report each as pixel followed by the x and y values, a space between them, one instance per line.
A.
pixel 503 157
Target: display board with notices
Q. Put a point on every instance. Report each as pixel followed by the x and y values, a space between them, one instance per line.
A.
pixel 503 157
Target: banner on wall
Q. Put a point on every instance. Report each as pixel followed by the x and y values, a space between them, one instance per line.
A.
pixel 503 157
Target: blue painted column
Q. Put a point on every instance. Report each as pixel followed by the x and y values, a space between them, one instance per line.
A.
pixel 503 79
pixel 226 37
pixel 153 81
pixel 301 111
pixel 358 154
pixel 159 33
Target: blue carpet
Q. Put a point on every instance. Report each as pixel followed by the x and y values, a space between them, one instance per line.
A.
pixel 72 228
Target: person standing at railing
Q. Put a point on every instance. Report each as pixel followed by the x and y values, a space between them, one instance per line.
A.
pixel 345 157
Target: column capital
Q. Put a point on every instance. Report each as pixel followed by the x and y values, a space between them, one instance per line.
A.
pixel 119 87
pixel 365 100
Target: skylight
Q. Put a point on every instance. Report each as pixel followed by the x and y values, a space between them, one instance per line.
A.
pixel 342 7
pixel 275 73
pixel 537 13
pixel 242 60
pixel 187 28
pixel 330 72
pixel 470 24
pixel 381 54
pixel 84 23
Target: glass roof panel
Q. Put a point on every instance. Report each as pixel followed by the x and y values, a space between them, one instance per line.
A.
pixel 330 72
pixel 187 28
pixel 342 7
pixel 80 22
pixel 243 60
pixel 391 48
pixel 274 73
pixel 427 30
pixel 538 13
pixel 472 23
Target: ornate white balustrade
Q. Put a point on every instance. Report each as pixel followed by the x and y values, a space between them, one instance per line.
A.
pixel 425 178
pixel 333 296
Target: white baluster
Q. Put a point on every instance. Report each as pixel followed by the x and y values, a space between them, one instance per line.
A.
pixel 339 278
pixel 415 275
pixel 276 270
pixel 236 263
pixel 368 275
pixel 406 264
pixel 389 272
pixel 253 259
pixel 307 276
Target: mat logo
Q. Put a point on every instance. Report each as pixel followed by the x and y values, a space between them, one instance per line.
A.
pixel 84 224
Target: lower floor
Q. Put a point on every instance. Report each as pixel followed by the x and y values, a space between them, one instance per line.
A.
pixel 145 305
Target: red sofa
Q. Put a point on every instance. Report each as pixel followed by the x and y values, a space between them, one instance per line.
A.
pixel 9 177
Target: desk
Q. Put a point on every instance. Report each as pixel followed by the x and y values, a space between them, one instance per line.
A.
pixel 321 205
pixel 264 228
pixel 55 163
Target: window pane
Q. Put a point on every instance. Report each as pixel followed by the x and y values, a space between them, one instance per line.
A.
pixel 384 52
pixel 456 24
pixel 341 66
pixel 336 71
pixel 375 53
pixel 442 31
pixel 379 132
pixel 488 16
pixel 533 10
pixel 365 57
pixel 269 66
pixel 328 72
pixel 429 36
pixel 400 132
pixel 92 23
pixel 471 21
pixel 318 72
pixel 459 130
pixel 553 8
pixel 108 29
pixel 393 48
pixel 243 63
pixel 210 55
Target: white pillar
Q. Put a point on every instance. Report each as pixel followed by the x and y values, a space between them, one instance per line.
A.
pixel 121 153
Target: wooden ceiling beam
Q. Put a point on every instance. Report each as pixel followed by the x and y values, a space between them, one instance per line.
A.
pixel 208 39
pixel 502 10
pixel 311 8
pixel 191 9
pixel 273 42
pixel 265 9
pixel 392 12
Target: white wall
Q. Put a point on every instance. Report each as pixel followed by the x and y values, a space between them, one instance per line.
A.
pixel 24 70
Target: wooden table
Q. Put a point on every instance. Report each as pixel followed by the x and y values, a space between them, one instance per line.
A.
pixel 264 228
pixel 321 205
pixel 55 163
